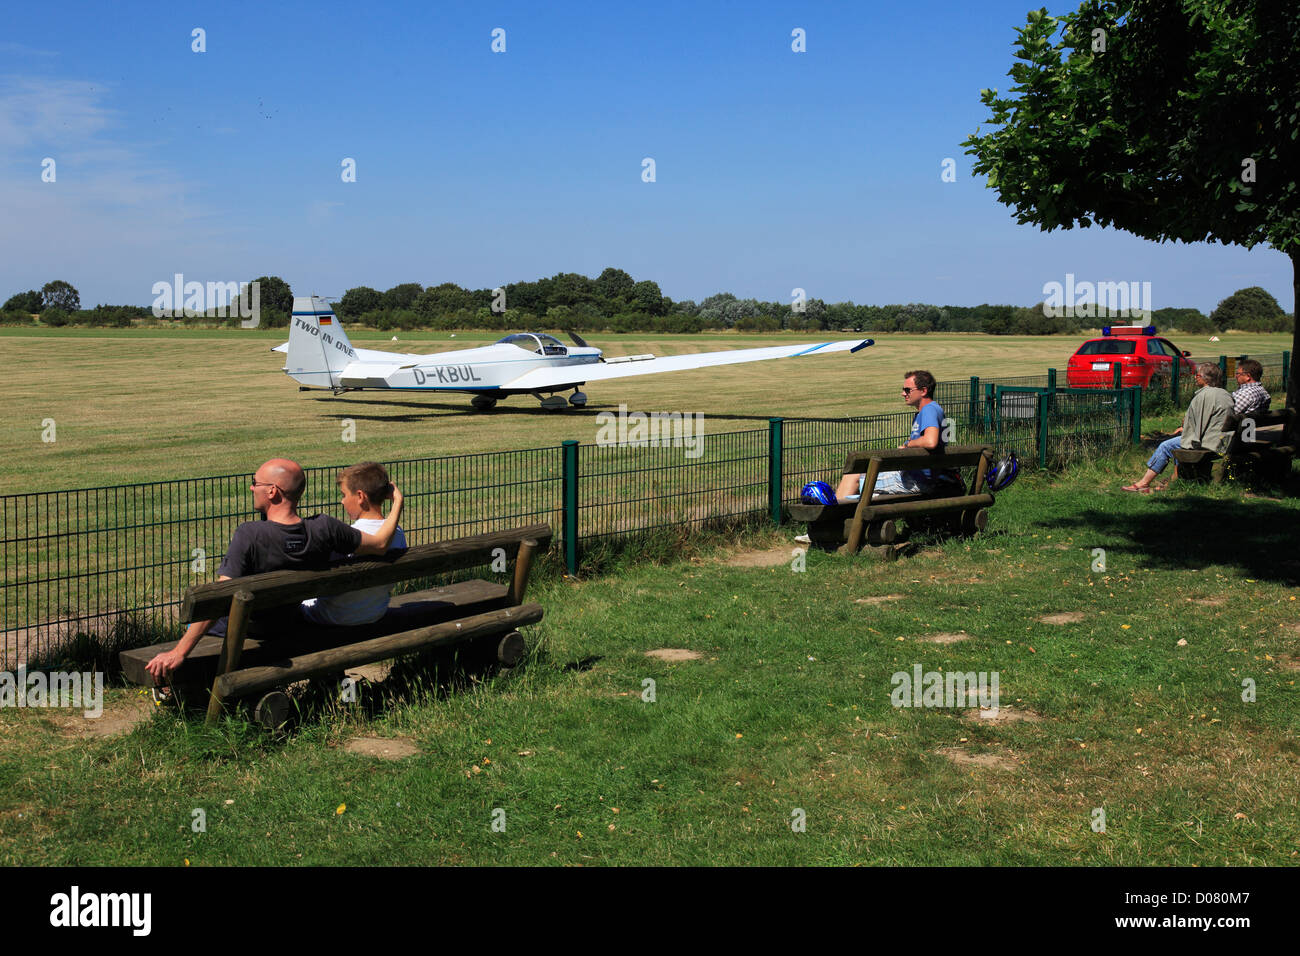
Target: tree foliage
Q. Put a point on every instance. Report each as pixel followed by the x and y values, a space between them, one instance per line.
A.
pixel 1250 310
pixel 274 295
pixel 60 295
pixel 1170 119
pixel 29 302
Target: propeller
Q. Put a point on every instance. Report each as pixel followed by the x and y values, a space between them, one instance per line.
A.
pixel 577 339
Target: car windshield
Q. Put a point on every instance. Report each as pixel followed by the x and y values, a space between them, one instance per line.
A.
pixel 1107 347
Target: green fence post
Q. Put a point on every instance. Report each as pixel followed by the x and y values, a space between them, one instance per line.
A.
pixel 1286 370
pixel 1118 369
pixel 775 450
pixel 1135 413
pixel 974 400
pixel 1042 429
pixel 1173 379
pixel 1051 379
pixel 1223 367
pixel 570 505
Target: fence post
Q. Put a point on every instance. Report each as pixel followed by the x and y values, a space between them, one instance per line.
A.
pixel 570 506
pixel 775 450
pixel 1135 414
pixel 1286 369
pixel 974 400
pixel 1173 379
pixel 1051 379
pixel 1118 369
pixel 1042 429
pixel 1223 367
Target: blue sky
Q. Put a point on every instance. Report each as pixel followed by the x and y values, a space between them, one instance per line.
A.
pixel 774 169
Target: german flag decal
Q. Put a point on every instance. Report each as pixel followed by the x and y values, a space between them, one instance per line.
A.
pixel 326 320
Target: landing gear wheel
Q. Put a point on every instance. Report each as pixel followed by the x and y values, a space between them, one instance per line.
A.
pixel 578 399
pixel 483 403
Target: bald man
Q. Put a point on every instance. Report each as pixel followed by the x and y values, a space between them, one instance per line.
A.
pixel 283 541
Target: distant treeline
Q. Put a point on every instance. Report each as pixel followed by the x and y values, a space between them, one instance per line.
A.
pixel 614 302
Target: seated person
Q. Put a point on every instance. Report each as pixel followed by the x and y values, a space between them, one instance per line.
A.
pixel 1250 396
pixel 365 488
pixel 927 432
pixel 282 541
pixel 1204 426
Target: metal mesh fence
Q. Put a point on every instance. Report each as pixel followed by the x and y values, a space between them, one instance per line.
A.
pixel 71 558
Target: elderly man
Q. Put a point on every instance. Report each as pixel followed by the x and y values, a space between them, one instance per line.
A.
pixel 283 541
pixel 1204 426
pixel 1250 396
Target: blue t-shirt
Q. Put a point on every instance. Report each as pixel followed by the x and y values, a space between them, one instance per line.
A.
pixel 929 417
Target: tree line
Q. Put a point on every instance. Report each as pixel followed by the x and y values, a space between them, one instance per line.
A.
pixel 614 302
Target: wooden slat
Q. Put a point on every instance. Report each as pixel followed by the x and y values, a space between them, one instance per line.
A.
pixel 275 588
pixel 929 506
pixel 914 459
pixel 252 680
pixel 405 611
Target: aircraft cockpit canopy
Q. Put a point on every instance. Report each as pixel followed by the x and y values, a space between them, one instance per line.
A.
pixel 538 342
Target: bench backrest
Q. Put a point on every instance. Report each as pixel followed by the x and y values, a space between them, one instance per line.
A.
pixel 275 588
pixel 911 459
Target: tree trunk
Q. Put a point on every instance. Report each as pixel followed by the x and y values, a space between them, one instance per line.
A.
pixel 1293 383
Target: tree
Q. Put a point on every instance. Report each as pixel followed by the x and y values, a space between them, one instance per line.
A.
pixel 29 302
pixel 401 296
pixel 1250 310
pixel 614 284
pixel 646 297
pixel 1170 119
pixel 60 295
pixel 359 300
pixel 273 295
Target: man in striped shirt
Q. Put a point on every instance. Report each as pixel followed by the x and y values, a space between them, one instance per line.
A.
pixel 1250 396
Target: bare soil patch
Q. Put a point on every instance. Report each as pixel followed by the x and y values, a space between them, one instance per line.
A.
pixel 1005 715
pixel 945 637
pixel 120 717
pixel 674 654
pixel 1210 601
pixel 1065 617
pixel 764 559
pixel 879 599
pixel 1288 662
pixel 964 758
pixel 385 748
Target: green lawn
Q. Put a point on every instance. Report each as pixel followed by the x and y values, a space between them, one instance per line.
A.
pixel 786 710
pixel 137 405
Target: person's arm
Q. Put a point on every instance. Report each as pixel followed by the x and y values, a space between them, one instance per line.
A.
pixel 928 439
pixel 162 665
pixel 378 542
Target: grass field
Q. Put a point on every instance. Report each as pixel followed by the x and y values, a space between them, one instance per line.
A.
pixel 136 405
pixel 1121 691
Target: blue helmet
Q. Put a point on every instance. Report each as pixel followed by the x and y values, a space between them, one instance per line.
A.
pixel 817 493
pixel 1004 472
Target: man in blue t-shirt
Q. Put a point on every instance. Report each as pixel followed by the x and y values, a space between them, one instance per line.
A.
pixel 927 432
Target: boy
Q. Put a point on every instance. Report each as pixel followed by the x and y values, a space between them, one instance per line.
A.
pixel 365 487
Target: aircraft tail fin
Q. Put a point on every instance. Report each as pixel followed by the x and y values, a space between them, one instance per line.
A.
pixel 319 348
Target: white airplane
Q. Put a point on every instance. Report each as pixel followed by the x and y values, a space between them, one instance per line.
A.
pixel 319 355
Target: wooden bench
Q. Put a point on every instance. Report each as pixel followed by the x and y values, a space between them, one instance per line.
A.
pixel 238 667
pixel 1268 455
pixel 949 505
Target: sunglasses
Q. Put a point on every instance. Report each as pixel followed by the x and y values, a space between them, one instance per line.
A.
pixel 908 391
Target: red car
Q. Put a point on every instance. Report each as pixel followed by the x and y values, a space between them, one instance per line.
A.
pixel 1143 357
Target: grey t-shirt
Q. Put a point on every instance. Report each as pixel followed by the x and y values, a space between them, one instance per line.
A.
pixel 259 546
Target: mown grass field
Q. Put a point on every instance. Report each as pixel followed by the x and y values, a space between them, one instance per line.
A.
pixel 137 405
pixel 1131 703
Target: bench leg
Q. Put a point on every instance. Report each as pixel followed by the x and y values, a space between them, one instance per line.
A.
pixel 236 625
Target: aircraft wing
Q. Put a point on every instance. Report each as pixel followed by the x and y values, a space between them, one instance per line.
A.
pixel 543 378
